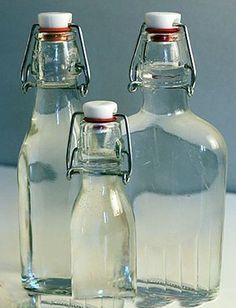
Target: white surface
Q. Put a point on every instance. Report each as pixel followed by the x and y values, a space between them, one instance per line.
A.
pixel 54 19
pixel 100 109
pixel 11 293
pixel 162 20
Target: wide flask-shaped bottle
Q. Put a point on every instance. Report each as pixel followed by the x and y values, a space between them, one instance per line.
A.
pixel 45 196
pixel 178 183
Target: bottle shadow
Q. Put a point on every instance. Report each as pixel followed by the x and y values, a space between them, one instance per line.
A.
pixel 156 297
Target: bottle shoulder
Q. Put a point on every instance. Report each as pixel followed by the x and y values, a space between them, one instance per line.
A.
pixel 100 194
pixel 110 210
pixel 211 132
pixel 55 100
pixel 178 154
pixel 44 126
pixel 184 125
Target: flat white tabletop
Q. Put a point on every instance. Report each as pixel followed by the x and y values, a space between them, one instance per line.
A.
pixel 11 293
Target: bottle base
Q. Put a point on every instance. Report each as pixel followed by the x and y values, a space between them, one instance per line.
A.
pixel 49 301
pixel 157 294
pixel 149 295
pixel 54 286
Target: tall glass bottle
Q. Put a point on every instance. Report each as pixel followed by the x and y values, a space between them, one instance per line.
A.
pixel 102 223
pixel 45 196
pixel 178 184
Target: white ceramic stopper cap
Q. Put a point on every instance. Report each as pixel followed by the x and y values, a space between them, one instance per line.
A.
pixel 100 109
pixel 54 19
pixel 162 20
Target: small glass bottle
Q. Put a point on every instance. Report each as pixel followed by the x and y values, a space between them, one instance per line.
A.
pixel 45 196
pixel 102 223
pixel 178 184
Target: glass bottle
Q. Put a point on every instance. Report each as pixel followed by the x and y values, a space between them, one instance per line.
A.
pixel 102 223
pixel 45 196
pixel 178 184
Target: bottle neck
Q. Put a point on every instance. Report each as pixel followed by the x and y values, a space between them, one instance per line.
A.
pixel 103 183
pixel 164 73
pixel 165 101
pixel 50 101
pixel 100 150
pixel 56 61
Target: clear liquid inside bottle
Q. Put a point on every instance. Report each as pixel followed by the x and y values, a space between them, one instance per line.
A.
pixel 102 223
pixel 177 189
pixel 103 264
pixel 45 195
pixel 181 200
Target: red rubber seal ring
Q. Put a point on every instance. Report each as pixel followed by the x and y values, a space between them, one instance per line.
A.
pixel 99 120
pixel 163 35
pixel 162 30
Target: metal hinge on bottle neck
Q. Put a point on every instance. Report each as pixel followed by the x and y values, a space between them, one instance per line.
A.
pixel 133 69
pixel 70 153
pixel 191 87
pixel 137 56
pixel 86 70
pixel 25 66
pixel 27 63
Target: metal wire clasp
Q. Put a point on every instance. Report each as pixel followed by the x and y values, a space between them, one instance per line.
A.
pixel 133 76
pixel 27 63
pixel 70 169
pixel 70 154
pixel 85 67
pixel 190 88
pixel 138 56
pixel 126 174
pixel 25 66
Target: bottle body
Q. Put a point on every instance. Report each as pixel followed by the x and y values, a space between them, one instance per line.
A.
pixel 52 64
pixel 103 240
pixel 103 237
pixel 45 196
pixel 181 195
